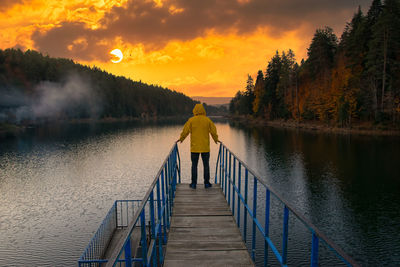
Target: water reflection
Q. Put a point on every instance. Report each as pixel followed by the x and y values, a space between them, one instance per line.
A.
pixel 57 183
pixel 348 186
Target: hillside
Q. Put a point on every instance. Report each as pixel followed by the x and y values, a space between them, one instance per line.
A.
pixel 36 88
pixel 344 81
pixel 214 101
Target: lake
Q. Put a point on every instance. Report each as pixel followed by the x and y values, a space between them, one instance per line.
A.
pixel 58 182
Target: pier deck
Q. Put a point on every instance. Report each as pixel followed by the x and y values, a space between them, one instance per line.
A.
pixel 203 231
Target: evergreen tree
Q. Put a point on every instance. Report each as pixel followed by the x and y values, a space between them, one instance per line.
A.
pixel 259 91
pixel 383 58
pixel 286 83
pixel 374 12
pixel 321 52
pixel 272 76
pixel 248 96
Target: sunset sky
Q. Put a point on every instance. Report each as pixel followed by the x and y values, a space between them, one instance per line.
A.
pixel 198 47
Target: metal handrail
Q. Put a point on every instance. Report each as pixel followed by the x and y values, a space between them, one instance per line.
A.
pixel 118 217
pixel 95 249
pixel 152 242
pixel 230 187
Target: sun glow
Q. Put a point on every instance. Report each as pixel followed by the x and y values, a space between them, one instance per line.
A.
pixel 116 54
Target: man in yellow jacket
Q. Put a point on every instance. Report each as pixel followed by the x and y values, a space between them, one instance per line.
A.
pixel 199 126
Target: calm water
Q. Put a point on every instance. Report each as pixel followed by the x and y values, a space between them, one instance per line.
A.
pixel 57 183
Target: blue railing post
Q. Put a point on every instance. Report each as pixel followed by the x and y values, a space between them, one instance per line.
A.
pixel 172 179
pixel 221 164
pixel 170 185
pixel 143 236
pixel 164 213
pixel 216 165
pixel 239 194
pixel 246 184
pixel 229 180
pixel 174 171
pixel 233 186
pixel 128 253
pixel 165 175
pixel 152 227
pixel 159 232
pixel 116 214
pixel 170 188
pixel 285 234
pixel 266 230
pixel 253 241
pixel 120 213
pixel 314 250
pixel 226 172
pixel 179 161
pixel 127 212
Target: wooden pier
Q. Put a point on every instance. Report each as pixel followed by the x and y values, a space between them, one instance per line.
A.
pixel 203 231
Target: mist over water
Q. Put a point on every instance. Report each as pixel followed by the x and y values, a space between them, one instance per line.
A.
pixel 49 100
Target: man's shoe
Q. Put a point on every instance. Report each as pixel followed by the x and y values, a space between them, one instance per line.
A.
pixel 193 186
pixel 208 185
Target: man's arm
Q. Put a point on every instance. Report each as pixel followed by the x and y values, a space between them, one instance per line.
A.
pixel 185 132
pixel 213 132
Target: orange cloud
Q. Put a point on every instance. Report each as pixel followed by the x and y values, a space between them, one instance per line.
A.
pixel 196 47
pixel 214 65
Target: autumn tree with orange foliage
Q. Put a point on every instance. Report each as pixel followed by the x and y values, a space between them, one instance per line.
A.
pixel 354 79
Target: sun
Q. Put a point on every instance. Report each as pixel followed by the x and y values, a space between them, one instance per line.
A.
pixel 117 54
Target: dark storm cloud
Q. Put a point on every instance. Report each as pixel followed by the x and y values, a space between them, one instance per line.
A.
pixel 6 4
pixel 70 39
pixel 144 22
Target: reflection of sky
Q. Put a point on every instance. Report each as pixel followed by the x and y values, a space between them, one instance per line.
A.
pixel 54 192
pixel 57 184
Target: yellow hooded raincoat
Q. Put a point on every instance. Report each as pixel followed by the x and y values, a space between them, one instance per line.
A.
pixel 199 126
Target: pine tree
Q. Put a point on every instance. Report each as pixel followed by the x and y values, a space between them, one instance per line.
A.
pixel 249 95
pixel 272 76
pixel 321 54
pixel 373 15
pixel 383 57
pixel 322 51
pixel 259 91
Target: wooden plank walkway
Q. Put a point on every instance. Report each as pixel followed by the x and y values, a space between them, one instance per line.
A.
pixel 203 231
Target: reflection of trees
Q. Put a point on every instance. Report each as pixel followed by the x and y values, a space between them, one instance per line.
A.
pixel 349 187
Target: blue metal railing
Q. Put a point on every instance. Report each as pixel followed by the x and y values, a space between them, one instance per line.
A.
pixel 119 216
pixel 155 209
pixel 250 201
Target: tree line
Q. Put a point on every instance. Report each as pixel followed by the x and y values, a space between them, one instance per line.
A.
pixel 22 72
pixel 354 78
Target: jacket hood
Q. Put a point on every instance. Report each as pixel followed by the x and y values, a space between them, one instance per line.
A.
pixel 199 110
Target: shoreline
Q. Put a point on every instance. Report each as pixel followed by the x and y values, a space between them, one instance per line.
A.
pixel 357 128
pixel 10 130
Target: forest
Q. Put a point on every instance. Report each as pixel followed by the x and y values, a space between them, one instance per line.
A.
pixel 37 88
pixel 353 79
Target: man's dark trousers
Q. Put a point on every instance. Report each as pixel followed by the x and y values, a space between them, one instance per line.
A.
pixel 205 157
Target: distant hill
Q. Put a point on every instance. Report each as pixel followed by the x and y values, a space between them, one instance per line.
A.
pixel 35 88
pixel 214 101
